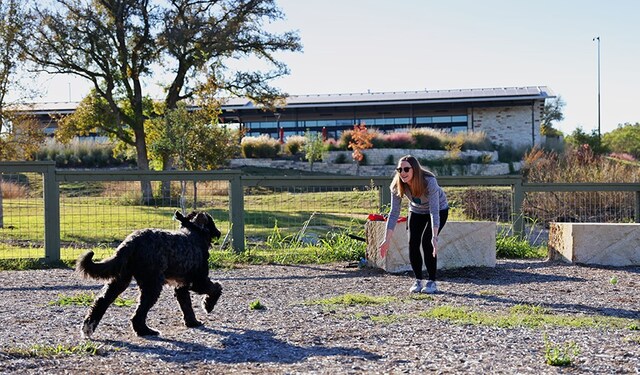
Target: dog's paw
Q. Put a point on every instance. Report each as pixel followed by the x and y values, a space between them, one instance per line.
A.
pixel 143 330
pixel 146 331
pixel 192 324
pixel 87 329
pixel 209 302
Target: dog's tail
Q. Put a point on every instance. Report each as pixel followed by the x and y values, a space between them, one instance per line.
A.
pixel 104 270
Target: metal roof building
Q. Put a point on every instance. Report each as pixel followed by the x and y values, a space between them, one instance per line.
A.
pixel 508 115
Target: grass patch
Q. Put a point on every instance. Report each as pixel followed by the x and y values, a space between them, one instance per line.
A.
pixel 86 299
pixel 421 297
pixel 88 348
pixel 256 305
pixel 559 354
pixel 487 292
pixel 23 264
pixel 352 299
pixel 509 246
pixel 634 338
pixel 523 316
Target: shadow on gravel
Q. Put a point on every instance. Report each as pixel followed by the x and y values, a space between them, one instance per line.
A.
pixel 322 273
pixel 506 273
pixel 50 287
pixel 238 346
pixel 519 272
pixel 572 308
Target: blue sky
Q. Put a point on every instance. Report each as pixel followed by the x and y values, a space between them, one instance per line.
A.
pixel 406 45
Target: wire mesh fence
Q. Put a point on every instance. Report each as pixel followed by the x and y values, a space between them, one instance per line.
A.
pixel 98 215
pixel 21 215
pixel 98 210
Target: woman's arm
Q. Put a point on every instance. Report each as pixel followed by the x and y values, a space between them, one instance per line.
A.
pixel 392 220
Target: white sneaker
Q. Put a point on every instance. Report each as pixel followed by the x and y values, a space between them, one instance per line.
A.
pixel 417 287
pixel 430 288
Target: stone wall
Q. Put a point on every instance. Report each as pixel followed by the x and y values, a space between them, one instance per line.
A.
pixel 509 125
pixel 377 163
pixel 380 156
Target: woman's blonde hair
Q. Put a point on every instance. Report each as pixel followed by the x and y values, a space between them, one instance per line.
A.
pixel 417 186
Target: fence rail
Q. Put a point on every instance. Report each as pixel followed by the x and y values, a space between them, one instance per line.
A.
pixel 250 205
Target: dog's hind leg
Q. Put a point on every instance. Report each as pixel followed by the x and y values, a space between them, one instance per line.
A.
pixel 106 297
pixel 213 291
pixel 150 289
pixel 184 299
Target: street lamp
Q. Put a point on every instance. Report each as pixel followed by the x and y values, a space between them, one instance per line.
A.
pixel 598 39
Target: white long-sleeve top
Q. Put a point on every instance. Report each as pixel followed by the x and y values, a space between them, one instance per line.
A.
pixel 431 203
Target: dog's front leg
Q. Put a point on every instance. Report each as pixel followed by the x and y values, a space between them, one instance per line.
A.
pixel 211 290
pixel 184 299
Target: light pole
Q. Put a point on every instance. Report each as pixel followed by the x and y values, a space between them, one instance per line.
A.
pixel 598 39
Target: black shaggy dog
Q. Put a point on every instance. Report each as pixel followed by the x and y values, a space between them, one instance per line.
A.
pixel 155 257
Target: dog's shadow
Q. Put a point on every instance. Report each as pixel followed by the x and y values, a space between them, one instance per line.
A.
pixel 238 346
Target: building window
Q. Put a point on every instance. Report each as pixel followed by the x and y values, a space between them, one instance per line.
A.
pixel 335 127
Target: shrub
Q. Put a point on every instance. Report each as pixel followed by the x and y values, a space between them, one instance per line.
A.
pixel 477 141
pixel 379 141
pixel 260 147
pixel 389 160
pixel 12 190
pixel 508 153
pixel 399 140
pixel 509 246
pixel 345 138
pixel 577 166
pixel 294 144
pixel 83 154
pixel 622 156
pixel 341 159
pixel 428 139
pixel 332 145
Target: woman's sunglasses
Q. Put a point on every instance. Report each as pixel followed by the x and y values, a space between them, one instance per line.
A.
pixel 406 169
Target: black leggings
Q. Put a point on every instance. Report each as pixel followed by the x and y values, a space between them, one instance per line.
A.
pixel 419 226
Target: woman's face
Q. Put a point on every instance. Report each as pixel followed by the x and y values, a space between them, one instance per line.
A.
pixel 405 170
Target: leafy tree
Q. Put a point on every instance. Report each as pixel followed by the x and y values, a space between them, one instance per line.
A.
pixel 624 139
pixel 552 112
pixel 313 148
pixel 360 140
pixel 195 140
pixel 120 46
pixel 19 135
pixel 579 138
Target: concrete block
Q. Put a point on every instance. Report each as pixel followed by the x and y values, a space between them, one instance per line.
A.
pixel 606 244
pixel 462 244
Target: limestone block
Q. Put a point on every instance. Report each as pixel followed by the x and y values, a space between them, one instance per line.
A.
pixel 462 244
pixel 606 244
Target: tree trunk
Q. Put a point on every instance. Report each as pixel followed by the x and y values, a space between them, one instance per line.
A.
pixel 1 205
pixel 165 186
pixel 143 164
pixel 195 195
pixel 183 197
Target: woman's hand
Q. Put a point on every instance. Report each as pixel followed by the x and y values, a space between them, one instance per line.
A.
pixel 434 243
pixel 384 247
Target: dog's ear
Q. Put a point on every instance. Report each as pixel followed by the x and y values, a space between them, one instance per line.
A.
pixel 211 226
pixel 178 216
pixel 201 220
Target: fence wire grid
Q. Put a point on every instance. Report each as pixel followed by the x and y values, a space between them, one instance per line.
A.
pixel 98 215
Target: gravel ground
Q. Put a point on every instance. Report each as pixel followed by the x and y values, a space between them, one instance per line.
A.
pixel 289 336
